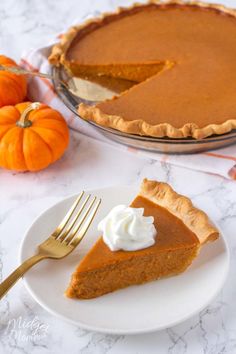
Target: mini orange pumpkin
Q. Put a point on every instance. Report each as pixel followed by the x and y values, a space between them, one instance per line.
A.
pixel 12 87
pixel 32 136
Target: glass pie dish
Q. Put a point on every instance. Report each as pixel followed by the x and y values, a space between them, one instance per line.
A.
pixel 66 89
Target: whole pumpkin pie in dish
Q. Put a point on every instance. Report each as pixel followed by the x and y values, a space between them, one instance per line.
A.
pixel 181 58
pixel 181 231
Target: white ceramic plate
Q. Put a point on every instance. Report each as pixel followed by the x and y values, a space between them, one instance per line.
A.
pixel 137 309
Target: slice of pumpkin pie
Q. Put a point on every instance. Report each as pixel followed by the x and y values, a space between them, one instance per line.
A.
pixel 159 235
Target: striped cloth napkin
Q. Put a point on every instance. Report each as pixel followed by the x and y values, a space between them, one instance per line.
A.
pixel 221 162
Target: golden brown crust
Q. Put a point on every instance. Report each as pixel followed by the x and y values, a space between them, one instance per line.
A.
pixel 139 127
pixel 195 219
pixel 59 50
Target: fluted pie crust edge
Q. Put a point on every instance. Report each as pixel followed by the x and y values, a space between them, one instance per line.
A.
pixel 141 127
pixel 195 219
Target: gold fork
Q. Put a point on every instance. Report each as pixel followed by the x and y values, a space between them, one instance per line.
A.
pixel 62 241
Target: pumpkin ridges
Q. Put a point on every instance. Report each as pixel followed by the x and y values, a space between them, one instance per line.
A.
pixel 12 141
pixel 53 125
pixel 3 160
pixel 8 115
pixel 46 113
pixel 13 96
pixel 51 138
pixel 51 130
pixel 16 84
pixel 37 153
pixel 45 142
pixel 47 131
pixel 17 160
pixel 28 145
pixel 19 83
pixel 19 80
pixel 4 129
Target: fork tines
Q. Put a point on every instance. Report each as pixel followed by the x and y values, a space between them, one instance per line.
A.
pixel 77 220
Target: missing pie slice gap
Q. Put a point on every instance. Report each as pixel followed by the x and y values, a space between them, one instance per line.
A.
pixel 115 79
pixel 136 72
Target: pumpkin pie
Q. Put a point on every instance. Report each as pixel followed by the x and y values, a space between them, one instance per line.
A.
pixel 180 56
pixel 181 231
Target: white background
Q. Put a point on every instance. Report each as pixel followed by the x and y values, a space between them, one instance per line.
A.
pixel 88 164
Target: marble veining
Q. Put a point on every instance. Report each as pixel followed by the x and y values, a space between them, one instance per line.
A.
pixel 86 165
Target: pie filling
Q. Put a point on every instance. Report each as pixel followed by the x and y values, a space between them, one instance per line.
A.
pixel 103 271
pixel 131 72
pixel 131 272
pixel 197 97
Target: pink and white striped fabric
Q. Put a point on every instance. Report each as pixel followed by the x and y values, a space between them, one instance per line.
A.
pixel 221 162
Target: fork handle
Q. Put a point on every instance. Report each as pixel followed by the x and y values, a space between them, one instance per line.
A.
pixel 19 272
pixel 20 71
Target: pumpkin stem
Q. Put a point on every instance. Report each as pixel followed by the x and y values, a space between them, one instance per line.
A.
pixel 24 122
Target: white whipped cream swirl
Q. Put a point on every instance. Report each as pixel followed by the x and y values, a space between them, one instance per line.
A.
pixel 125 228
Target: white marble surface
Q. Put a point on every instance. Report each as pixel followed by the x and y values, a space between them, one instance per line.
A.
pixel 89 164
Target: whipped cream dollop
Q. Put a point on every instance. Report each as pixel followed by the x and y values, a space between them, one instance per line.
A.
pixel 125 228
